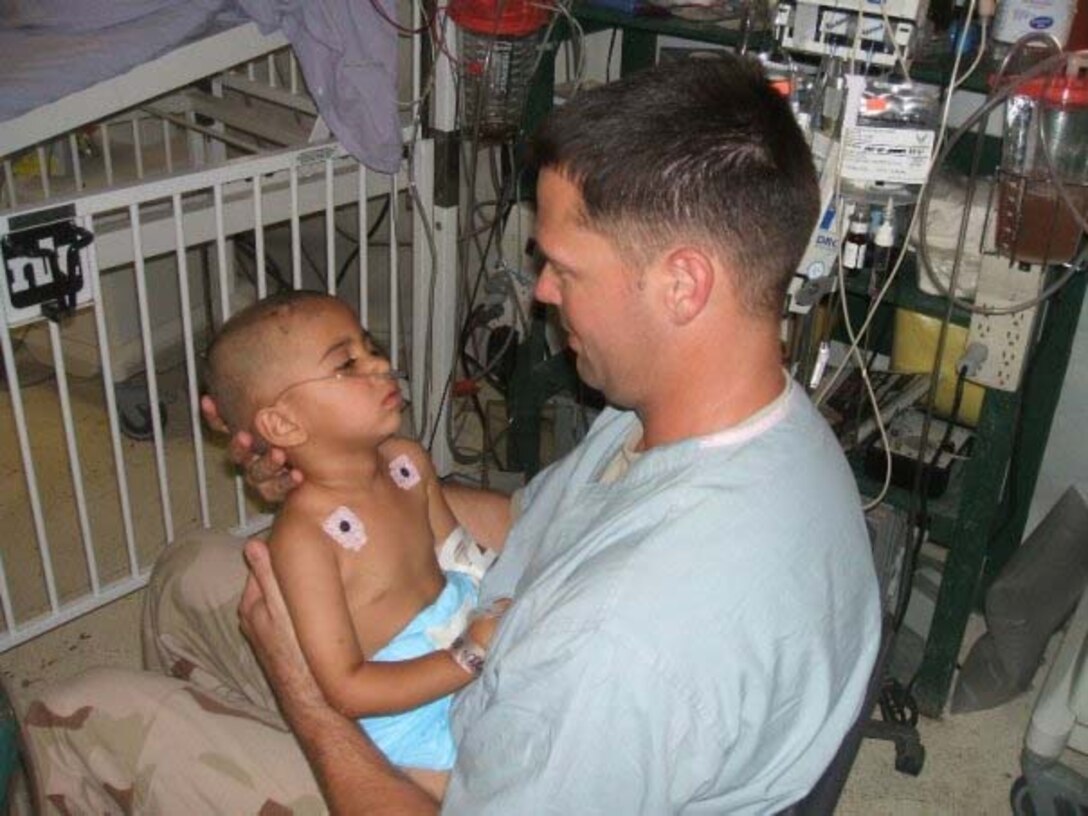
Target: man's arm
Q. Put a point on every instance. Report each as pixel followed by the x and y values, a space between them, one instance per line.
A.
pixel 486 514
pixel 583 722
pixel 354 775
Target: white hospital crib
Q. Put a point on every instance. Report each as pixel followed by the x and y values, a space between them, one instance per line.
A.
pixel 177 193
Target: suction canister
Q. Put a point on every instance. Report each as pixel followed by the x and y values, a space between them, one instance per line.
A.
pixel 1046 115
pixel 498 50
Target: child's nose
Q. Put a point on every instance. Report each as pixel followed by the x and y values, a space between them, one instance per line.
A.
pixel 378 366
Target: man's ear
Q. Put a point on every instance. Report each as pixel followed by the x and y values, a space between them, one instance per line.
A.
pixel 690 275
pixel 279 427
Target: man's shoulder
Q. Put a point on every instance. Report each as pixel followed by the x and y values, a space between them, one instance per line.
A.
pixel 583 462
pixel 793 456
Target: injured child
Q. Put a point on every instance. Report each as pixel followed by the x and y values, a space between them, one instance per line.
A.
pixel 380 582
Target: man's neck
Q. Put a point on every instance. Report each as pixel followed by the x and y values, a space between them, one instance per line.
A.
pixel 748 380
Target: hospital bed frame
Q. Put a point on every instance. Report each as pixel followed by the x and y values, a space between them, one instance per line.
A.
pixel 169 169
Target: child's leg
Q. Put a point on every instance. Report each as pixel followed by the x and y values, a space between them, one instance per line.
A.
pixel 434 782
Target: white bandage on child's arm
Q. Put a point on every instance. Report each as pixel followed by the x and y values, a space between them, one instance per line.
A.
pixel 460 553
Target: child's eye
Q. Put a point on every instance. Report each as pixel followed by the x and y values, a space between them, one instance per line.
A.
pixel 348 364
pixel 373 348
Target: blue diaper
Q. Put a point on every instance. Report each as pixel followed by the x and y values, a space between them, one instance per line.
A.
pixel 421 738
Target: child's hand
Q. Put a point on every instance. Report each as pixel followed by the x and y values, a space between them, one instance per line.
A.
pixel 481 627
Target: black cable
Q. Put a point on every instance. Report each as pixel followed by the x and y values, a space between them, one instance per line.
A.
pixel 917 501
pixel 18 344
pixel 911 556
pixel 466 327
pixel 950 426
pixel 471 364
pixel 608 60
pixel 504 206
pixel 873 342
pixel 1011 498
pixel 921 518
pixel 491 369
pixel 491 444
pixel 438 414
pixel 246 241
pixel 378 220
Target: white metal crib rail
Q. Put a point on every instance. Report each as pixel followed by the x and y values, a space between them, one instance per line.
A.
pixel 259 105
pixel 90 497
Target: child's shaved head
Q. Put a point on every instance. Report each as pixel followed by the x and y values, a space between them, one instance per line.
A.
pixel 245 354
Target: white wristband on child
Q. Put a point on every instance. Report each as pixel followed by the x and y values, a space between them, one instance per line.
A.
pixel 469 655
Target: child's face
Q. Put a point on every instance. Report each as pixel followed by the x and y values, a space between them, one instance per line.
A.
pixel 339 386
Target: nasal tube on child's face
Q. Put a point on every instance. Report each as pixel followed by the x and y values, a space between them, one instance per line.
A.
pixel 392 374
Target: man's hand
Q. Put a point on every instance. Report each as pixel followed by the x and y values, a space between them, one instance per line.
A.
pixel 266 623
pixel 265 470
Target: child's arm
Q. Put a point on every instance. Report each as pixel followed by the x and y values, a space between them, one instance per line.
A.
pixel 351 770
pixel 310 579
pixel 439 515
pixel 486 514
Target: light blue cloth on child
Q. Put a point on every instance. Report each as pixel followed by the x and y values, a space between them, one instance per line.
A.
pixel 421 738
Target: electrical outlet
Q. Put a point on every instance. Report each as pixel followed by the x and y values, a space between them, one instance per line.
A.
pixel 1007 337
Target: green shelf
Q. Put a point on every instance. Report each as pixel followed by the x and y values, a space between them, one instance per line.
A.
pixel 942 510
pixel 906 294
pixel 934 70
pixel 595 18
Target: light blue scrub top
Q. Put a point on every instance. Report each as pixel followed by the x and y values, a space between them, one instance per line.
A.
pixel 694 638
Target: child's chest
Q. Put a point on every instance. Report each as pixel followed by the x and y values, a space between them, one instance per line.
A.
pixel 390 553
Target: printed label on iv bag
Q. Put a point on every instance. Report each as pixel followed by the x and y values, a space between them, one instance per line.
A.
pixel 886 154
pixel 899 155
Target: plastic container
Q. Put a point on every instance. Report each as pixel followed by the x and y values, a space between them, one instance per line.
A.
pixel 1016 18
pixel 1034 224
pixel 498 51
pixel 856 243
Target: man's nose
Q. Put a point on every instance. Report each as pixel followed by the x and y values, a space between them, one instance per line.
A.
pixel 546 290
